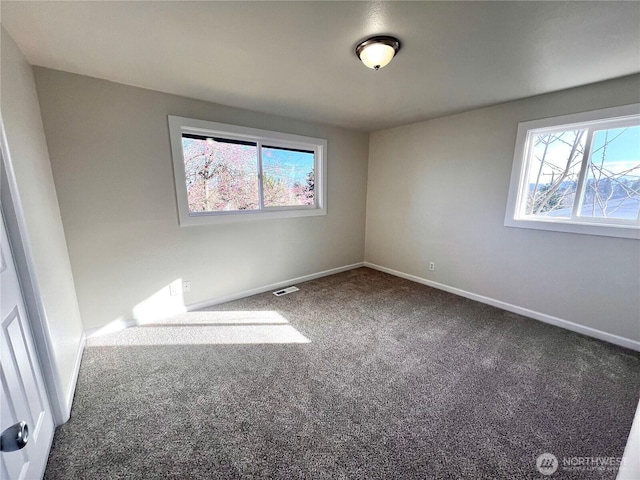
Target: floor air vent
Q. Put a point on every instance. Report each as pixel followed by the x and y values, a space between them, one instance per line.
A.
pixel 284 291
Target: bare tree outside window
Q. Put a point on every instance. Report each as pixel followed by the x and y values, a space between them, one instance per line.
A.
pixel 554 171
pixel 578 173
pixel 611 186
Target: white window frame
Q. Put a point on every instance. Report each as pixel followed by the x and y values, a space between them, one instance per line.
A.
pixel 515 217
pixel 181 125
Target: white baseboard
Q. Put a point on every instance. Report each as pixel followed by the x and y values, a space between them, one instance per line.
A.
pixel 273 286
pixel 543 317
pixel 74 379
pixel 118 324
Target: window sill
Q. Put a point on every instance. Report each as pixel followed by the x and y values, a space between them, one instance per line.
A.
pixel 619 231
pixel 234 217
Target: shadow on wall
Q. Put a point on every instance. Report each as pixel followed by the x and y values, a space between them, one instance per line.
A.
pixel 163 319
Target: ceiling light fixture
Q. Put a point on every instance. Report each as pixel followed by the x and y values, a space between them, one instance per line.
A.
pixel 376 52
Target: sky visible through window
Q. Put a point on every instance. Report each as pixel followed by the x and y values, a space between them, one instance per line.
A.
pixel 296 164
pixel 621 154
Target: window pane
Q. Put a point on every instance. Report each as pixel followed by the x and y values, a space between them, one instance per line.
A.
pixel 612 187
pixel 221 175
pixel 553 171
pixel 288 177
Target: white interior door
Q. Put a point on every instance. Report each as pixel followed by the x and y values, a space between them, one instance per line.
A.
pixel 23 395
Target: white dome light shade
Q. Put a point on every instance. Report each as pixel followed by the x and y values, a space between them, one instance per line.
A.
pixel 377 55
pixel 376 52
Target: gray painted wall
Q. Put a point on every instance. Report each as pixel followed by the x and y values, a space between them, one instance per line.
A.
pixel 111 160
pixel 37 194
pixel 437 191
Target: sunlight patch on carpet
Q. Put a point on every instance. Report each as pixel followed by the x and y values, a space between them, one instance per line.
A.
pixel 207 328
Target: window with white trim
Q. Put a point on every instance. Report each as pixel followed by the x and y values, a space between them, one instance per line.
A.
pixel 227 173
pixel 578 173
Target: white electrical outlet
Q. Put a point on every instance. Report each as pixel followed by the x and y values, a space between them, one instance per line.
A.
pixel 186 287
pixel 432 266
pixel 174 289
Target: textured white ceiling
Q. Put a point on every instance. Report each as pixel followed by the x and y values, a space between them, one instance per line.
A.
pixel 296 58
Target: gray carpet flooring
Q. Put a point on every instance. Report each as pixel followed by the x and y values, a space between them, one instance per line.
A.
pixel 378 377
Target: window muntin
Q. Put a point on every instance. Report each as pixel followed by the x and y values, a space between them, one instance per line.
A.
pixel 578 173
pixel 228 173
